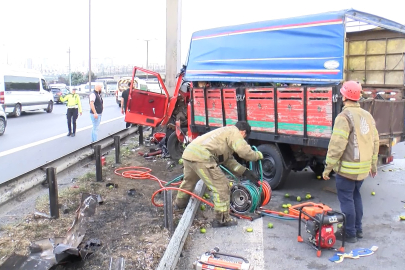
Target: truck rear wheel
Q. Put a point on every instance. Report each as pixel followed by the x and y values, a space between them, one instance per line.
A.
pixel 274 171
pixel 175 147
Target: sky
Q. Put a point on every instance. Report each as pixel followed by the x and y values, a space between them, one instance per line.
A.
pixel 43 30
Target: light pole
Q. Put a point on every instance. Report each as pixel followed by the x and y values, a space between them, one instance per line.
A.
pixel 70 74
pixel 147 52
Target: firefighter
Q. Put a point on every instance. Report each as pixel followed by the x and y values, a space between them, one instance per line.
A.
pixel 352 154
pixel 74 107
pixel 201 160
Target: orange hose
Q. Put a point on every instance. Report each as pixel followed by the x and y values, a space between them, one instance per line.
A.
pixel 144 173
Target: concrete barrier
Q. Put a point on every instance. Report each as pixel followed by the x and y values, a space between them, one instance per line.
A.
pixel 175 247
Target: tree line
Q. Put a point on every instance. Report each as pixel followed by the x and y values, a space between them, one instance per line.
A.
pixel 78 78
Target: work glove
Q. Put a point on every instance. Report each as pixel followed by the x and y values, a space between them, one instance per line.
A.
pixel 260 155
pixel 251 176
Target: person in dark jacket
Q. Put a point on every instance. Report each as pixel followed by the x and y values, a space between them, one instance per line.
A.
pixel 96 110
pixel 124 101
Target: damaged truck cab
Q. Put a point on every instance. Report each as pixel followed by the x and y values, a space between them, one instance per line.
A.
pixel 283 77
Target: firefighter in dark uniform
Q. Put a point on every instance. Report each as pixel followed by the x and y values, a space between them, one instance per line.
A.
pixel 74 107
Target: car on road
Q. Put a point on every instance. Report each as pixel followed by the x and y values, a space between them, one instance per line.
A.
pixel 57 93
pixel 3 121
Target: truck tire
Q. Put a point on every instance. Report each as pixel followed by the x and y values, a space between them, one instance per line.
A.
pixel 274 171
pixel 175 147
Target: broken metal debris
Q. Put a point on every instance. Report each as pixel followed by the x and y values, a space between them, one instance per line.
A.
pixel 49 252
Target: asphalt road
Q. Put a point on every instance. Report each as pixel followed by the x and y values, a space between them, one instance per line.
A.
pixel 278 248
pixel 37 137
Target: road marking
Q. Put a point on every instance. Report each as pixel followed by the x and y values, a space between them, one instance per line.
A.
pixel 23 147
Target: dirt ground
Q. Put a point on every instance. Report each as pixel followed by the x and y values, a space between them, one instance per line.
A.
pixel 128 226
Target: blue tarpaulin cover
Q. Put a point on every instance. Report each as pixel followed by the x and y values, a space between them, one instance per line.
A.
pixel 304 50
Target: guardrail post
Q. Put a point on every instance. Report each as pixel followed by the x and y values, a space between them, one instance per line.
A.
pixel 168 210
pixel 140 129
pixel 97 155
pixel 117 149
pixel 53 192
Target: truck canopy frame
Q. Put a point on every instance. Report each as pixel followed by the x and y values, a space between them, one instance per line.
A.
pixel 300 50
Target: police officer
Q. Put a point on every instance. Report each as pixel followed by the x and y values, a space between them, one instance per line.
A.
pixel 352 154
pixel 201 159
pixel 74 107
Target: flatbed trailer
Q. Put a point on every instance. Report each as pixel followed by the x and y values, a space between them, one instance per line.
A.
pixel 283 77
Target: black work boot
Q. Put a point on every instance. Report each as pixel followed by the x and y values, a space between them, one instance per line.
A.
pixel 217 224
pixel 348 239
pixel 359 234
pixel 69 134
pixel 73 134
pixel 223 219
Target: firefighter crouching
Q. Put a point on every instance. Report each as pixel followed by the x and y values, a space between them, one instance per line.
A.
pixel 201 160
pixel 352 154
pixel 74 107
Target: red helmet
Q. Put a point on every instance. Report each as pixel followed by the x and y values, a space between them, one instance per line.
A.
pixel 351 90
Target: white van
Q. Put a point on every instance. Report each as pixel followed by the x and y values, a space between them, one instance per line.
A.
pixel 24 90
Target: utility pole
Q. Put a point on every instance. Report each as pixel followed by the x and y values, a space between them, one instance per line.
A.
pixel 147 57
pixel 173 45
pixel 70 74
pixel 90 45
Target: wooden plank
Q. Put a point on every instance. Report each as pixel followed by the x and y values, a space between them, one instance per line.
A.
pixel 175 247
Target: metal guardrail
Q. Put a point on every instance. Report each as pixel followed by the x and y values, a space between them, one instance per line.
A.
pixel 22 183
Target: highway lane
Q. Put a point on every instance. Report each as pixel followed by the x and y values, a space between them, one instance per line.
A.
pixel 37 137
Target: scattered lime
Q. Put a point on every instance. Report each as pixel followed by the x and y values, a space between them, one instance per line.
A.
pixel 373 193
pixel 270 225
pixel 285 206
pixel 319 177
pixel 111 186
pixel 402 217
pixel 287 195
pixel 289 205
pixel 249 229
pixel 298 199
pixel 285 211
pixel 340 225
pixel 308 196
pixel 180 161
pixel 203 230
pixel 206 195
pixel 202 207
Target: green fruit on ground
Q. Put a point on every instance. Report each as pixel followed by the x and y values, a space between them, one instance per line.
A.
pixel 287 195
pixel 285 211
pixel 270 225
pixel 180 161
pixel 340 225
pixel 308 196
pixel 206 195
pixel 402 217
pixel 249 229
pixel 202 207
pixel 289 205
pixel 373 193
pixel 285 206
pixel 298 199
pixel 203 230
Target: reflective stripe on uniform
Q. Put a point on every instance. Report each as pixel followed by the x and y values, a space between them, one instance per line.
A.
pixel 354 171
pixel 218 205
pixel 331 161
pixel 375 157
pixel 237 167
pixel 341 133
pixel 359 165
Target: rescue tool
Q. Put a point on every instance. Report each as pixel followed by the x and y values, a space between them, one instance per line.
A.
pixel 215 260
